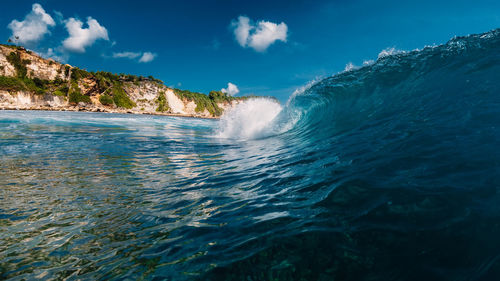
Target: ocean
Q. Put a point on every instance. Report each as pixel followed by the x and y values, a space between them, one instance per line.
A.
pixel 390 171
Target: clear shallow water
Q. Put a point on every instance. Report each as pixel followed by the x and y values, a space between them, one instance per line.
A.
pixel 90 195
pixel 388 172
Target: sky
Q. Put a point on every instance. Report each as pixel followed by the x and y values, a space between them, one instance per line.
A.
pixel 240 47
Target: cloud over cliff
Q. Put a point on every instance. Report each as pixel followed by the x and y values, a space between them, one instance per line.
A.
pixel 231 89
pixel 128 55
pixel 147 57
pixel 143 57
pixel 80 38
pixel 34 26
pixel 258 36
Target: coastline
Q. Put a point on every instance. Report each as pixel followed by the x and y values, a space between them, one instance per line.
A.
pixel 103 110
pixel 30 82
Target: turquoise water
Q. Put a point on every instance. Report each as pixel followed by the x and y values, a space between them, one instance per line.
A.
pixel 387 172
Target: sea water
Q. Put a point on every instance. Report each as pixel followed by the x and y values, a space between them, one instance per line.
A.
pixel 386 172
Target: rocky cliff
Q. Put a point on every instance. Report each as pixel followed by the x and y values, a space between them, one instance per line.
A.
pixel 28 81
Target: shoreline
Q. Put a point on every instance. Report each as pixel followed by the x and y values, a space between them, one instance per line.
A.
pixel 103 110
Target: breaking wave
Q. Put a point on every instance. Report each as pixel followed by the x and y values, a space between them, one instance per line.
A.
pixel 436 84
pixel 385 172
pixel 389 171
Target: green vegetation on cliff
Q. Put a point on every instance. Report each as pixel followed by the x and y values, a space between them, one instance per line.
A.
pixel 121 98
pixel 37 86
pixel 109 84
pixel 78 85
pixel 11 84
pixel 106 100
pixel 77 74
pixel 62 91
pixel 14 58
pixel 218 97
pixel 76 96
pixel 162 102
pixel 21 82
pixel 207 102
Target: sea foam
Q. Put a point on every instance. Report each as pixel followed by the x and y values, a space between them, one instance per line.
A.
pixel 251 119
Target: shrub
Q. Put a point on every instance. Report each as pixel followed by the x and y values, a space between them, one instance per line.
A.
pixel 218 96
pixel 106 100
pixel 129 78
pixel 77 97
pixel 105 79
pixel 77 74
pixel 202 101
pixel 62 91
pixel 36 85
pixel 58 81
pixel 11 84
pixel 40 83
pixel 20 65
pixel 151 78
pixel 121 98
pixel 162 102
pixel 59 93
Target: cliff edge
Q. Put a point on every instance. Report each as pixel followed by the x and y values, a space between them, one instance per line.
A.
pixel 30 82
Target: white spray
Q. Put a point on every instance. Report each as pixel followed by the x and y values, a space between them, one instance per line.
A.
pixel 251 119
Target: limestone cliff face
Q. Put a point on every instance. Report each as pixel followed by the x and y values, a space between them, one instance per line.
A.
pixel 145 95
pixel 27 100
pixel 37 66
pixel 63 87
pixel 6 69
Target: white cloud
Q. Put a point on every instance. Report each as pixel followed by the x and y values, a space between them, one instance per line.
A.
pixel 55 54
pixel 147 57
pixel 231 89
pixel 242 30
pixel 128 55
pixel 33 27
pixel 267 33
pixel 258 36
pixel 80 38
pixel 140 56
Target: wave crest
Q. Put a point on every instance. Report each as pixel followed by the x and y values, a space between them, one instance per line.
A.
pixel 251 119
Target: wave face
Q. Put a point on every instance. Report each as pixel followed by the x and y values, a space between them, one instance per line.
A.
pixel 393 170
pixel 386 172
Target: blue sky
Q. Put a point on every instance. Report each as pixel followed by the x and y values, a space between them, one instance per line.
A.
pixel 193 44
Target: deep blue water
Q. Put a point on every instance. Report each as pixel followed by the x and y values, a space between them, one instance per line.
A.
pixel 386 172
